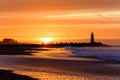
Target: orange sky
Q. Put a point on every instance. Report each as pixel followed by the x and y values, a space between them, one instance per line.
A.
pixel 28 20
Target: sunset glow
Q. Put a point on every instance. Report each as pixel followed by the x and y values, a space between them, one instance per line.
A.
pixel 46 40
pixel 73 20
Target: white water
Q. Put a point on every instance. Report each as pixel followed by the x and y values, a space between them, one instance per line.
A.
pixel 102 53
pixel 99 53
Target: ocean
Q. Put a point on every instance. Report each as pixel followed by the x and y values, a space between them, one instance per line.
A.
pixel 102 53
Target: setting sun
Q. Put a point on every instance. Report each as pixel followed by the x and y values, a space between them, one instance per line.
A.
pixel 46 40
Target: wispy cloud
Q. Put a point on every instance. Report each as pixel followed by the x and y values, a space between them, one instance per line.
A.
pixel 48 5
pixel 74 17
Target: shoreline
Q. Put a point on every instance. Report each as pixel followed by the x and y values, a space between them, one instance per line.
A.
pixel 62 65
pixel 75 66
pixel 52 69
pixel 91 67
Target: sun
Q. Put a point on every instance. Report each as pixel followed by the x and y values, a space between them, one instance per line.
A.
pixel 46 40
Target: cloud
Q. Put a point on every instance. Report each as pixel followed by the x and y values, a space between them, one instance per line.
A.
pixel 74 12
pixel 65 18
pixel 45 5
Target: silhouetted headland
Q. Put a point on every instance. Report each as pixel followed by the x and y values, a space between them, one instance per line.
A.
pixel 8 42
pixel 75 44
pixel 72 44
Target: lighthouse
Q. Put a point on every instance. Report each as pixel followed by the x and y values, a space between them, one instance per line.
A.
pixel 92 38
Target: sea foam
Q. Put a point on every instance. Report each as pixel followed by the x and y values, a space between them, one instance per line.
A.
pixel 102 53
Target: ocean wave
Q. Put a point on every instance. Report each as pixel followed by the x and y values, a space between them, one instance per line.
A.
pixel 102 53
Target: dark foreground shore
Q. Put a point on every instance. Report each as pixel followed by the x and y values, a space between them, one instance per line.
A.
pixel 9 75
pixel 18 50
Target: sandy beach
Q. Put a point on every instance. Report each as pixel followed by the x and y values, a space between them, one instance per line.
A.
pixel 23 65
pixel 42 68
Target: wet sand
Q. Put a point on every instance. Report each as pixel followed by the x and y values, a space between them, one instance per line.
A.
pixel 92 67
pixel 31 64
pixel 75 66
pixel 35 67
